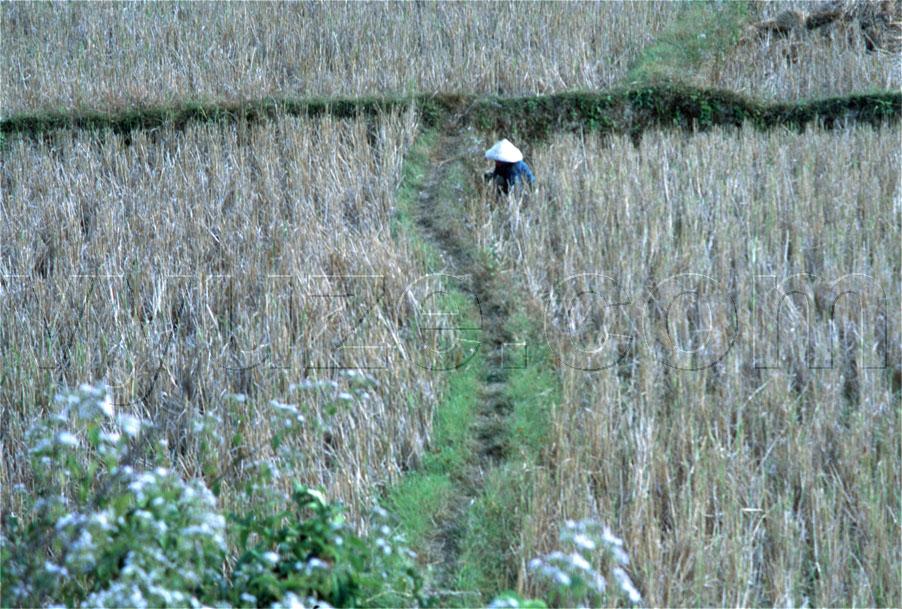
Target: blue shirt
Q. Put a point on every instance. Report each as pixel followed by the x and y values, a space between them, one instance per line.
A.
pixel 508 175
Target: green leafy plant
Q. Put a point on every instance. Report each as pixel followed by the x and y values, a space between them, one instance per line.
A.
pixel 309 550
pixel 107 525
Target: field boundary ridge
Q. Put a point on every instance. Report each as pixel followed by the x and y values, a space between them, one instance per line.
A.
pixel 621 110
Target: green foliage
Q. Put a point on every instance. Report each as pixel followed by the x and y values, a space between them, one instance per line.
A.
pixel 492 531
pixel 102 530
pixel 575 576
pixel 533 390
pixel 309 550
pixel 425 496
pixel 491 540
pixel 656 84
pixel 416 165
pixel 665 103
pixel 704 31
pixel 451 435
pixel 418 502
pixel 108 526
pixel 512 600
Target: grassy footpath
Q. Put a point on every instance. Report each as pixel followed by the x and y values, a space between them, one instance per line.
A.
pixel 511 415
pixel 427 497
pixel 493 539
pixel 496 534
pixel 464 509
pixel 494 546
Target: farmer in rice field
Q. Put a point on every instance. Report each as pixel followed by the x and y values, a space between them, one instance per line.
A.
pixel 510 170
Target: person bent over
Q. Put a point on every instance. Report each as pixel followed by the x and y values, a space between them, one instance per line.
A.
pixel 510 170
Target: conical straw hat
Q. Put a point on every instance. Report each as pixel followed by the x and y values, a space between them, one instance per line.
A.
pixel 505 152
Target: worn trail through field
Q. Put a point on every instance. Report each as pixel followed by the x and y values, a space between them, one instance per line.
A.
pixel 442 220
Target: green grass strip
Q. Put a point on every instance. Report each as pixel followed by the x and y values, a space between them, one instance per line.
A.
pixel 489 553
pixel 673 105
pixel 424 497
pixel 630 109
pixel 702 31
pixel 531 389
pixel 491 549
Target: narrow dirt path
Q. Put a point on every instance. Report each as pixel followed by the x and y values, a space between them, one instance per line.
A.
pixel 440 215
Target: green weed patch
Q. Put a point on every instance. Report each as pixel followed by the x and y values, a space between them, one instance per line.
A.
pixel 704 31
pixel 531 389
pixel 488 555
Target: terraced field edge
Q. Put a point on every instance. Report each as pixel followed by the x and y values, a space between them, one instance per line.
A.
pixel 623 110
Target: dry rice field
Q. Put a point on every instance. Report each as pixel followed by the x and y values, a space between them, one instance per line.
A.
pixel 830 61
pixel 715 314
pixel 724 308
pixel 118 56
pixel 187 267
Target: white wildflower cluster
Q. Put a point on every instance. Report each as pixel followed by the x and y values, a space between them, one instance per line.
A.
pixel 285 416
pixel 293 601
pixel 588 535
pixel 266 481
pixel 390 550
pixel 208 426
pixel 566 569
pixel 287 419
pixel 505 602
pixel 88 402
pixel 626 585
pixel 110 528
pixel 171 528
pixel 176 541
pixel 353 387
pixel 509 600
pixel 309 385
pixel 45 440
pixel 360 378
pixel 133 594
pixel 78 534
pixel 157 534
pixel 210 440
pixel 130 425
pixel 573 573
pixel 308 568
pixel 389 542
pixel 85 421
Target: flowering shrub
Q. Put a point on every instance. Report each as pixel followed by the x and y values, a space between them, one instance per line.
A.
pixel 510 600
pixel 102 529
pixel 573 576
pixel 108 526
pixel 310 550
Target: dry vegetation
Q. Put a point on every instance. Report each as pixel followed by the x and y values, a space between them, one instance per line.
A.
pixel 732 484
pixel 186 267
pixel 802 64
pixel 119 55
pixel 744 443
